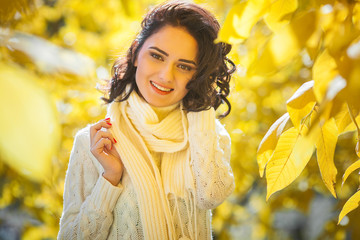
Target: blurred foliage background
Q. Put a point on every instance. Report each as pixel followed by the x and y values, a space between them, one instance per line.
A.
pixel 53 53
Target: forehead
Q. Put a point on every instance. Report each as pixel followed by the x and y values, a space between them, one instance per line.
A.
pixel 176 41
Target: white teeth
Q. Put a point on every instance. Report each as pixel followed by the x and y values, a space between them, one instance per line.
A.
pixel 160 87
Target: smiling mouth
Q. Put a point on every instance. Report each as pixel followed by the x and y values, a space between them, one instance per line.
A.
pixel 161 88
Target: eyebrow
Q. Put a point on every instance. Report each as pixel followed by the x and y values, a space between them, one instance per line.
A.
pixel 166 54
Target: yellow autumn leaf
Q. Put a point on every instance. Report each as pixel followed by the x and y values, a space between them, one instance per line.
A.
pixel 279 51
pixel 350 205
pixel 241 19
pixel 353 89
pixel 340 112
pixel 341 33
pixel 335 86
pixel 262 65
pixel 324 71
pixel 347 124
pixel 12 10
pixel 343 119
pixel 284 46
pixel 288 160
pixel 268 143
pixel 326 18
pixel 303 23
pixel 301 103
pixel 331 104
pixel 356 15
pixel 30 132
pixel 41 52
pixel 313 42
pixel 325 148
pixel 353 112
pixel 350 169
pixel 275 18
pixel 304 26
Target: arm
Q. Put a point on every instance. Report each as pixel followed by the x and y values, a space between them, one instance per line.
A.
pixel 89 199
pixel 210 159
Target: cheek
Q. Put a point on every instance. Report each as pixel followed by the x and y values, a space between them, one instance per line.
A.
pixel 144 68
pixel 185 83
pixel 139 79
pixel 184 90
pixel 136 75
pixel 139 74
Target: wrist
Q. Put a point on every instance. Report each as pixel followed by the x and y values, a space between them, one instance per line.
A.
pixel 113 178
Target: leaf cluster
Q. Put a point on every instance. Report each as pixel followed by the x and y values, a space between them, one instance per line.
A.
pixel 325 34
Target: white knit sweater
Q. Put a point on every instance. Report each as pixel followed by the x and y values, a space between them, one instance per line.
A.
pixel 95 209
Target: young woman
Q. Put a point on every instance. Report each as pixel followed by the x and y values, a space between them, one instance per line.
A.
pixel 159 162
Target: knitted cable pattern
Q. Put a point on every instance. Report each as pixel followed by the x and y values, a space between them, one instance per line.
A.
pixel 94 209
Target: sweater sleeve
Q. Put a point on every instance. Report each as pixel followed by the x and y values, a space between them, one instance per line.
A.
pixel 89 198
pixel 210 148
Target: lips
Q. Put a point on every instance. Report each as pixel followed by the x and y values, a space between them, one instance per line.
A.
pixel 160 89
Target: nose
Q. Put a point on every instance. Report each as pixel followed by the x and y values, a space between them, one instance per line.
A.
pixel 166 73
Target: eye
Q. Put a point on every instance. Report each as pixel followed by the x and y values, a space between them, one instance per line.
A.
pixel 156 56
pixel 185 67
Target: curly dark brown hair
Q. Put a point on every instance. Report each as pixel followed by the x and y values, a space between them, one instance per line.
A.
pixel 209 86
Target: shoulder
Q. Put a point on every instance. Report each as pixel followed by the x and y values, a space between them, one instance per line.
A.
pixel 82 136
pixel 82 145
pixel 83 133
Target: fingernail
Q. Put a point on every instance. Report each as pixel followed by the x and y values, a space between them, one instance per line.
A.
pixel 115 140
pixel 109 123
pixel 107 119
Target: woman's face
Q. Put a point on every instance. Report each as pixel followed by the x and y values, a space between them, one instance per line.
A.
pixel 165 64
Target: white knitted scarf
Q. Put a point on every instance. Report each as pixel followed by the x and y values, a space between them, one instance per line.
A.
pixel 139 130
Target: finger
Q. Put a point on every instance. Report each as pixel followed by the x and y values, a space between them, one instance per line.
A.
pixel 105 123
pixel 101 146
pixel 114 152
pixel 103 134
